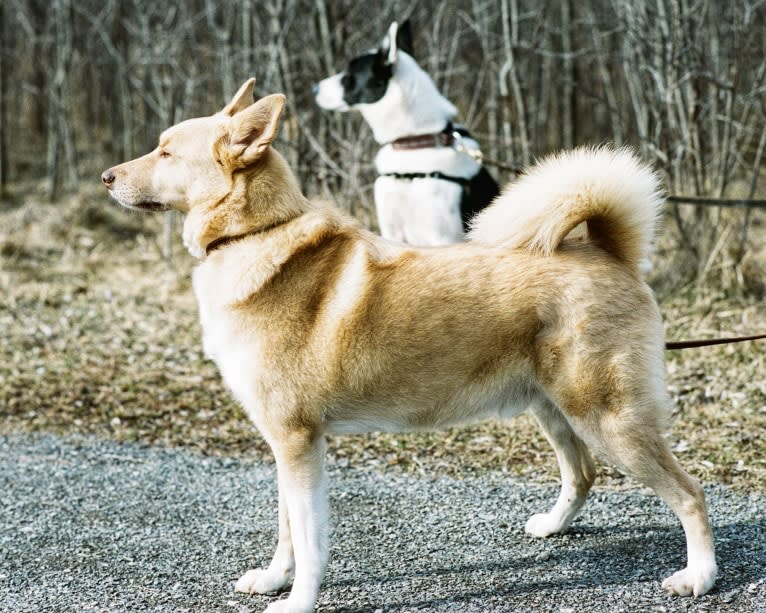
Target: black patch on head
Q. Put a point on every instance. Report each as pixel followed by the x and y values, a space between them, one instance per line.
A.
pixel 366 79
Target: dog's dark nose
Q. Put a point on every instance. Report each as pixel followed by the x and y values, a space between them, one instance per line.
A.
pixel 315 89
pixel 108 178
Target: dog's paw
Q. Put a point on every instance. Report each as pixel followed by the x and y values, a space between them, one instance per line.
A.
pixel 544 524
pixel 262 581
pixel 692 580
pixel 285 606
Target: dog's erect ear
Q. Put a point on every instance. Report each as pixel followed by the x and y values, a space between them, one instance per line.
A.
pixel 404 38
pixel 241 100
pixel 398 38
pixel 254 128
pixel 388 44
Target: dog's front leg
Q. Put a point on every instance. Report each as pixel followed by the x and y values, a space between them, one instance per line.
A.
pixel 280 572
pixel 300 466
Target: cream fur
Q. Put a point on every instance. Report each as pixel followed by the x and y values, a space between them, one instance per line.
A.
pixel 620 197
pixel 319 326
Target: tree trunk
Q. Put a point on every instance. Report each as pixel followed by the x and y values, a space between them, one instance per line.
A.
pixel 61 145
pixel 3 153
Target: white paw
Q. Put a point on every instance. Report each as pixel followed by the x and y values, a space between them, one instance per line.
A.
pixel 543 524
pixel 695 580
pixel 262 581
pixel 285 606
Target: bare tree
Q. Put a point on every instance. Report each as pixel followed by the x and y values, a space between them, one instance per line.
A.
pixel 683 80
pixel 3 153
pixel 61 147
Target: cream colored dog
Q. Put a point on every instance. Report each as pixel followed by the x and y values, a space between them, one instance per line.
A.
pixel 319 326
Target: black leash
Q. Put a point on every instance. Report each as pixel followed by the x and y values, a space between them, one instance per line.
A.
pixel 707 342
pixel 501 165
pixel 731 203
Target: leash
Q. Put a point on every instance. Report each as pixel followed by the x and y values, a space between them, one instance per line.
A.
pixel 707 342
pixel 502 166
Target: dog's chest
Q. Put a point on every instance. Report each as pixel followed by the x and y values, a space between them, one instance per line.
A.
pixel 445 160
pixel 225 338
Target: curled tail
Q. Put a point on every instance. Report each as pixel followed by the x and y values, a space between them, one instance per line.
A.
pixel 611 190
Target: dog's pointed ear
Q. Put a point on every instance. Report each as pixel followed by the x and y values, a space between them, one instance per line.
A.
pixel 254 128
pixel 404 38
pixel 241 100
pixel 388 44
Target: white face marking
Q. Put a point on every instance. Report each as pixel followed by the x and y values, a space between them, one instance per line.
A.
pixel 329 94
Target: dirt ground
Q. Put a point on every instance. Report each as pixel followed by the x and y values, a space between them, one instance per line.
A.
pixel 100 335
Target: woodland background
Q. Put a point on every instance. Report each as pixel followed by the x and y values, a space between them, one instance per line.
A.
pixel 98 326
pixel 89 83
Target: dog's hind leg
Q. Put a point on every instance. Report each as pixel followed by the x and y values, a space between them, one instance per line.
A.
pixel 280 571
pixel 575 465
pixel 632 439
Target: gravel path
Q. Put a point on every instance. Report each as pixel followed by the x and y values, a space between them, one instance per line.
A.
pixel 91 525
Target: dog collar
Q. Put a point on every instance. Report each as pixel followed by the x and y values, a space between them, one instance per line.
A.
pixel 424 141
pixel 223 241
pixel 445 138
pixel 451 136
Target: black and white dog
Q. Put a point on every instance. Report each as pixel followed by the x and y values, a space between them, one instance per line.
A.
pixel 431 181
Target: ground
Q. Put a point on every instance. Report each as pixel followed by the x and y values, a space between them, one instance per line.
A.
pixel 96 526
pixel 100 336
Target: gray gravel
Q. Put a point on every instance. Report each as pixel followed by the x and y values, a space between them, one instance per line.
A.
pixel 93 525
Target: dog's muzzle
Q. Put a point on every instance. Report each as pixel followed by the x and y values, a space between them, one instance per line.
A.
pixel 328 94
pixel 107 178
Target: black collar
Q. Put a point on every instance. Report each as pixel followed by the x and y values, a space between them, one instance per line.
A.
pixel 408 176
pixel 223 241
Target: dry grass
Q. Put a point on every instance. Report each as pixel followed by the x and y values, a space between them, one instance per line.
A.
pixel 100 336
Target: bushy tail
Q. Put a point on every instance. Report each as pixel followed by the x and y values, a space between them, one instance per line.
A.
pixel 617 195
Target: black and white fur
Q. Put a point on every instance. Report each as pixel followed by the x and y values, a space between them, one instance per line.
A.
pixel 423 196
